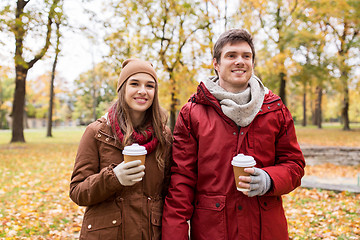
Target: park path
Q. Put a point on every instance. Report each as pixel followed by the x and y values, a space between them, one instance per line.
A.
pixel 345 156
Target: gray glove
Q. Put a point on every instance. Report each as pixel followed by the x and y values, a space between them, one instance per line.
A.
pixel 129 173
pixel 260 183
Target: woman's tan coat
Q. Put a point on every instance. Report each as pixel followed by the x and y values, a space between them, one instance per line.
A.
pixel 114 211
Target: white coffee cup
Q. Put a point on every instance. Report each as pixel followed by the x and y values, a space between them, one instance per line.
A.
pixel 240 162
pixel 135 152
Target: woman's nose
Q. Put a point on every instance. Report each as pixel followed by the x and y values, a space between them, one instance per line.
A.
pixel 141 90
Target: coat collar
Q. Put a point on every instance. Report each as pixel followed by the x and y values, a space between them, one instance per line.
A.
pixel 203 96
pixel 105 135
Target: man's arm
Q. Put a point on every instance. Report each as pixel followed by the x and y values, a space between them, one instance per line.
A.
pixel 289 164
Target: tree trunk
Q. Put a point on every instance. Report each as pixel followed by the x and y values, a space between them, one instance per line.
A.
pixel 313 112
pixel 282 93
pixel 343 54
pixel 304 109
pixel 225 16
pixel 344 80
pixel 318 111
pixel 345 109
pixel 19 104
pixel 173 100
pixel 51 101
pixel 22 67
pixel 172 119
pixel 2 119
pixel 94 100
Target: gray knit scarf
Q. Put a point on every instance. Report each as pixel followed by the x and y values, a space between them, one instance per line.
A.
pixel 240 107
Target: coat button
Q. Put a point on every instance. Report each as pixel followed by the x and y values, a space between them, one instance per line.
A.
pixel 260 110
pixel 89 226
pixel 107 139
pixel 114 222
pixel 242 133
pixel 240 207
pixel 99 135
pixel 234 133
pixel 217 205
pixel 268 107
pixel 278 104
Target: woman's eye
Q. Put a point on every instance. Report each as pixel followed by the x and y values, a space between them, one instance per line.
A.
pixel 133 84
pixel 150 86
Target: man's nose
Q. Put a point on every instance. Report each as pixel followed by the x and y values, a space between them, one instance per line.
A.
pixel 239 61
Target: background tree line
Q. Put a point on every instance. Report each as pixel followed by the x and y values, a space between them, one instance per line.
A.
pixel 307 52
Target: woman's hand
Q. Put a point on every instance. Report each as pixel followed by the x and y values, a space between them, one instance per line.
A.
pixel 129 173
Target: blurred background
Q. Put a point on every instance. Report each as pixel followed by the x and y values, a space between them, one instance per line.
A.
pixel 66 55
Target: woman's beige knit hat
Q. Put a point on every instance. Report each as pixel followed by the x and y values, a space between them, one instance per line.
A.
pixel 133 66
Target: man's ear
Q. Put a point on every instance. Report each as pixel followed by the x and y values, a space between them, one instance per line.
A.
pixel 215 64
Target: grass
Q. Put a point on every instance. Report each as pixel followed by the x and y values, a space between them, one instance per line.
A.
pixel 329 135
pixel 34 185
pixel 35 177
pixel 60 135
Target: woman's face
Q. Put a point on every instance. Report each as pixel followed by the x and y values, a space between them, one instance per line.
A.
pixel 139 93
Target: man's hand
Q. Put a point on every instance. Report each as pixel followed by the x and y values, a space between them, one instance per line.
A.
pixel 129 173
pixel 258 182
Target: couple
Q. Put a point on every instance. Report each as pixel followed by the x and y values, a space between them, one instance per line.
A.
pixel 230 113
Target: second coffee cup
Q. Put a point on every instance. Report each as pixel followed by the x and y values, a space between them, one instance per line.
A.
pixel 240 162
pixel 134 152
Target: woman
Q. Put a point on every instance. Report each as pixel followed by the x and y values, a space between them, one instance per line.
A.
pixel 124 200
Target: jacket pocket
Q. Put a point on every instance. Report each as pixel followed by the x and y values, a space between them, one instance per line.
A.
pixel 208 221
pixel 102 226
pixel 156 224
pixel 273 220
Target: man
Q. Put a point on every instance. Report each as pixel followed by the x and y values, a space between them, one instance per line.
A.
pixel 232 113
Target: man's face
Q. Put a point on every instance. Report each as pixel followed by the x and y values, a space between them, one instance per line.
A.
pixel 235 67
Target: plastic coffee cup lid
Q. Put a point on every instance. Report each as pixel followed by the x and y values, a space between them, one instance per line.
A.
pixel 134 150
pixel 242 160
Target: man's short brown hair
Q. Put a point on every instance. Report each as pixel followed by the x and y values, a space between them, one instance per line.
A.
pixel 233 36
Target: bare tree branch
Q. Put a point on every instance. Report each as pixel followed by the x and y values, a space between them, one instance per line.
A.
pixel 48 35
